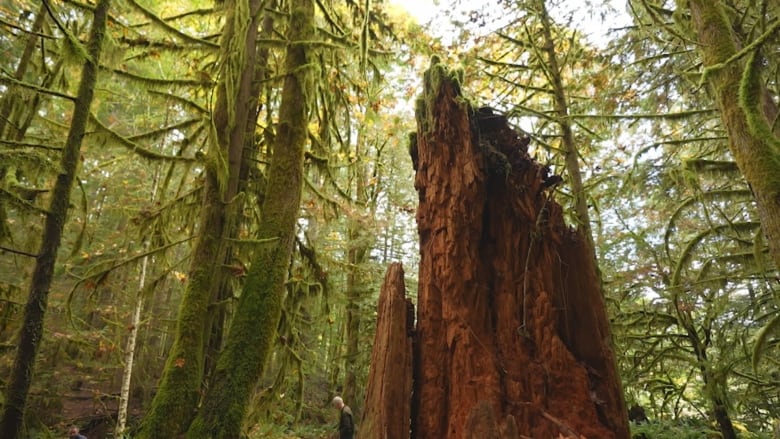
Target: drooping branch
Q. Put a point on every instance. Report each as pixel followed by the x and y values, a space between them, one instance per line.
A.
pixel 163 24
pixel 11 82
pixel 134 146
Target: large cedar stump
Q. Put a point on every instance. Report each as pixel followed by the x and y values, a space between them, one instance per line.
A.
pixel 511 317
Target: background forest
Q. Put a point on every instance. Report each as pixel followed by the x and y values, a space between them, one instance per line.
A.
pixel 172 173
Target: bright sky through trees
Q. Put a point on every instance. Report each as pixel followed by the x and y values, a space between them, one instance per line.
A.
pixel 423 10
pixel 595 21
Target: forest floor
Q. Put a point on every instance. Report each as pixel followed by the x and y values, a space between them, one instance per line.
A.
pixel 90 407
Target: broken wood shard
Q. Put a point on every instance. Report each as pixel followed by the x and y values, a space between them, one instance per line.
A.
pixel 387 410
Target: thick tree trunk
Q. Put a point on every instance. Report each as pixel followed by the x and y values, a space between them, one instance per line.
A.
pixel 746 113
pixel 35 309
pixel 253 328
pixel 175 402
pixel 511 320
pixel 751 139
pixel 387 411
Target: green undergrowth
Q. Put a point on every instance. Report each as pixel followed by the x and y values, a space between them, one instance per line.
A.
pixel 687 429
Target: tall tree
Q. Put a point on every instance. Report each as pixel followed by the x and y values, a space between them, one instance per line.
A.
pixel 734 73
pixel 360 242
pixel 254 324
pixel 555 75
pixel 35 309
pixel 680 277
pixel 173 407
pixel 698 285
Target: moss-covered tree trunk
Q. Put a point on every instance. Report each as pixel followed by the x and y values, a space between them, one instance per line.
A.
pixel 512 334
pixel 746 116
pixel 561 105
pixel 175 402
pixel 357 284
pixel 32 327
pixel 739 95
pixel 254 324
pixel 357 291
pixel 220 315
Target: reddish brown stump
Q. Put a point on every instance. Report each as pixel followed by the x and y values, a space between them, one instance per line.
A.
pixel 387 410
pixel 512 337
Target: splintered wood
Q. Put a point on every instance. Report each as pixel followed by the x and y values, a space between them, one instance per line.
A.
pixel 512 338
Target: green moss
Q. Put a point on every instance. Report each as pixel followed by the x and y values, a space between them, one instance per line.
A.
pixel 216 161
pixel 433 79
pixel 256 318
pixel 714 19
pixel 720 52
pixel 750 90
pixel 235 56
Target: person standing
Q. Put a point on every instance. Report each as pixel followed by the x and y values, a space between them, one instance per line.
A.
pixel 73 433
pixel 346 423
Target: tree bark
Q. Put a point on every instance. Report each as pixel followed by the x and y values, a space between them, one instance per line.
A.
pixel 510 309
pixel 751 141
pixel 35 309
pixel 561 106
pixel 253 328
pixel 746 115
pixel 387 410
pixel 173 407
pixel 129 360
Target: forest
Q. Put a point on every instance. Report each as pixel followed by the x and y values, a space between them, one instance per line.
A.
pixel 212 211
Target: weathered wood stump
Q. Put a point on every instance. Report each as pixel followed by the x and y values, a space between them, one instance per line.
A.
pixel 512 338
pixel 387 411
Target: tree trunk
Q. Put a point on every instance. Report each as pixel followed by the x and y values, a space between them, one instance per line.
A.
pixel 129 360
pixel 356 292
pixel 511 319
pixel 254 325
pixel 561 106
pixel 744 116
pixel 387 411
pixel 739 93
pixel 35 309
pixel 218 319
pixel 175 402
pixel 357 286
